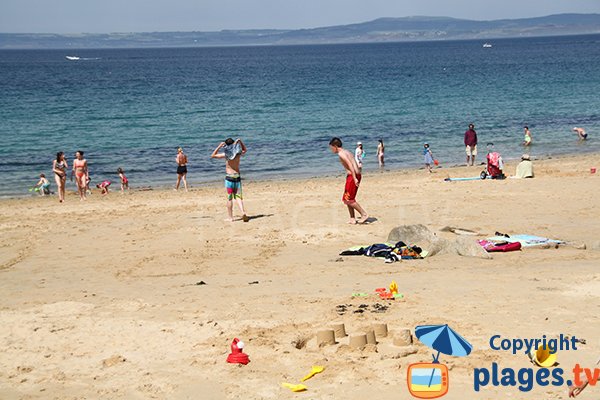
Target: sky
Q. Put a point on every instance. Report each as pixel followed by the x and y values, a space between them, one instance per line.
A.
pixel 103 16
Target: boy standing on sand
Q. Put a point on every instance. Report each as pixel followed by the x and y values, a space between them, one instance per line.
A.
pixel 232 153
pixel 352 181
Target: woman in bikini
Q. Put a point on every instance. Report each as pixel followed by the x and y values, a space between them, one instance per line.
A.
pixel 59 166
pixel 181 161
pixel 80 169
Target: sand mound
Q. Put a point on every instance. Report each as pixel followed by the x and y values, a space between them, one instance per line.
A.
pixel 421 235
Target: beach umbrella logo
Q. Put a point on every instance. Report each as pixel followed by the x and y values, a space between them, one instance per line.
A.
pixel 430 380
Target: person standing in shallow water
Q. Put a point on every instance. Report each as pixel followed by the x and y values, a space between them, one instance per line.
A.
pixel 353 177
pixel 528 138
pixel 471 144
pixel 233 150
pixel 181 161
pixel 380 153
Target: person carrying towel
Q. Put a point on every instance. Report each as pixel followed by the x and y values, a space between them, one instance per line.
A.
pixel 232 153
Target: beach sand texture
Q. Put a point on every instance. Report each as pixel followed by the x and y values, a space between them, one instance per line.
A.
pixel 99 299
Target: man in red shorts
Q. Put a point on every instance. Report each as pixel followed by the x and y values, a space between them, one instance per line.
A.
pixel 352 181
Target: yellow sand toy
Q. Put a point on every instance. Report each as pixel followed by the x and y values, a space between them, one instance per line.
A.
pixel 315 370
pixel 542 357
pixel 294 388
pixel 393 288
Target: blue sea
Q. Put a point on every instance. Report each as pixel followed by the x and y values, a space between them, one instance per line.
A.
pixel 132 108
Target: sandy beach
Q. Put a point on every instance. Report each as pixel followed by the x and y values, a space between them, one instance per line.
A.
pixel 100 299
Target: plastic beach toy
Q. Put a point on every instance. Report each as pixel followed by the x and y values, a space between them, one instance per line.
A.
pixel 394 287
pixel 316 369
pixel 237 356
pixel 294 388
pixel 359 294
pixel 543 357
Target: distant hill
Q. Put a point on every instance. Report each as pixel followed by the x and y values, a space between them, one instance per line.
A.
pixel 379 30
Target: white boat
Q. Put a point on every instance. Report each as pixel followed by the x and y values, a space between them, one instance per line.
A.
pixel 487 45
pixel 72 58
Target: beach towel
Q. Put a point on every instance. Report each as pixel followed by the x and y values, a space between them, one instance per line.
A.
pixel 232 150
pixel 525 240
pixel 491 247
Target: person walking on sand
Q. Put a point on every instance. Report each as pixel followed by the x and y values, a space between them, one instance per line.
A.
pixel 353 178
pixel 471 144
pixel 181 161
pixel 428 157
pixel 82 175
pixel 581 133
pixel 359 154
pixel 380 151
pixel 59 167
pixel 527 140
pixel 232 153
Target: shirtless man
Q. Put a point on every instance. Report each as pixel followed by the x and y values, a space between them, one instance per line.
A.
pixel 581 133
pixel 232 153
pixel 352 181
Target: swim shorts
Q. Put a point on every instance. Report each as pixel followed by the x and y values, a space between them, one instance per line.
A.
pixel 182 169
pixel 350 190
pixel 233 184
pixel 471 150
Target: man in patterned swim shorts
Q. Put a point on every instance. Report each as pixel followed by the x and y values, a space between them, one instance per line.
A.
pixel 232 153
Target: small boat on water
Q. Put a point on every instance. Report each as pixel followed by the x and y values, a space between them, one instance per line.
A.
pixel 487 45
pixel 72 58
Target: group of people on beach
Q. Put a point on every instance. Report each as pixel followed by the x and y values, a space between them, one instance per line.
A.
pixel 80 173
pixel 232 150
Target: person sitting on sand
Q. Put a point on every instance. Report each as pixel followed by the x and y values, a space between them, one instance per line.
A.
pixel 581 133
pixel 124 180
pixel 527 140
pixel 471 144
pixel 104 186
pixel 353 178
pixel 232 153
pixel 525 167
pixel 43 186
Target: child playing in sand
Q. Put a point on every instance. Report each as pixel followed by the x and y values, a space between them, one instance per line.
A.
pixel 428 157
pixel 104 186
pixel 353 178
pixel 124 180
pixel 43 186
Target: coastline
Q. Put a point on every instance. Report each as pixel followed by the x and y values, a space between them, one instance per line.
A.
pixel 290 177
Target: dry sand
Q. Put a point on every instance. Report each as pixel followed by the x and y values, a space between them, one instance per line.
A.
pixel 99 299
